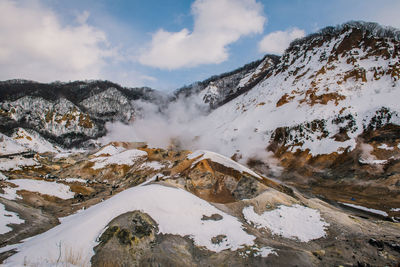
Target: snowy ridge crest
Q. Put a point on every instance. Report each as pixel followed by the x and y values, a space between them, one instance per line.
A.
pixel 372 28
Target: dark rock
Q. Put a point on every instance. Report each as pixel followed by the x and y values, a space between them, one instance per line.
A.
pixel 115 187
pixel 246 188
pixel 214 217
pixel 124 237
pixel 141 227
pixel 218 239
pixel 126 240
pixel 362 264
pixel 393 245
pixel 376 243
pixel 108 234
pixel 319 254
pixel 79 197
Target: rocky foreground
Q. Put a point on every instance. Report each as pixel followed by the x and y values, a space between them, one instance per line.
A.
pixel 129 205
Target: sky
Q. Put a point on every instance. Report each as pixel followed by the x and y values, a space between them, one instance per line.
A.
pixel 163 44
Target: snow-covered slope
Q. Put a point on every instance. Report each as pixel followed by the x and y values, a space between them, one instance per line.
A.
pixel 9 146
pixel 224 89
pixel 33 141
pixel 54 118
pixel 227 162
pixel 326 90
pixel 111 104
pixel 220 89
pixel 43 187
pixel 176 211
pixel 68 113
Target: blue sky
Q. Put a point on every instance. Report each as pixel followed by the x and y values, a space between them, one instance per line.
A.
pixel 161 44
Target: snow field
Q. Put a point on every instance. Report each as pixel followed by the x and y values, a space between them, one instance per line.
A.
pixel 175 211
pixel 43 187
pixel 295 222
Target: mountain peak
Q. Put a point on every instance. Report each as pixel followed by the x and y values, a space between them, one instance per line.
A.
pixel 368 29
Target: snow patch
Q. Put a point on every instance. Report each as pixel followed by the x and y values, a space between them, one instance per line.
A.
pixel 67 153
pixel 368 158
pixel 265 252
pixel 373 161
pixel 73 180
pixel 109 150
pixel 215 157
pixel 63 155
pixel 16 163
pixel 155 165
pixel 295 222
pixel 3 177
pixel 43 187
pixel 395 209
pixel 386 147
pixel 8 217
pixel 380 212
pixel 128 157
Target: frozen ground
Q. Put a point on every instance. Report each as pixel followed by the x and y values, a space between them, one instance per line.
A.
pixel 296 222
pixel 7 217
pixel 43 187
pixel 127 157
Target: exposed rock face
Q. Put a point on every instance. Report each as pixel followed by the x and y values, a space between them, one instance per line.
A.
pixel 126 241
pixel 109 105
pixel 245 189
pixel 218 183
pixel 221 89
pixel 60 119
pixel 71 113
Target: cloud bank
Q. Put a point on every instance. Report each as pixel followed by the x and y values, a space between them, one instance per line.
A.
pixel 35 45
pixel 277 42
pixel 217 23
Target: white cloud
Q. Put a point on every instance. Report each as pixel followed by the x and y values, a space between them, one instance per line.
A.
pixel 35 45
pixel 83 17
pixel 217 23
pixel 277 42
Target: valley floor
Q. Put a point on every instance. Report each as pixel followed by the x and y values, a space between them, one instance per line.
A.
pixel 129 205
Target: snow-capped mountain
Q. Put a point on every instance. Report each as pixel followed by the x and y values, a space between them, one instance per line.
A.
pixel 68 113
pixel 326 86
pixel 327 91
pixel 220 89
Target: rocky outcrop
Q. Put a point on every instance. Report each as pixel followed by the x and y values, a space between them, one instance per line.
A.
pixel 68 113
pixel 222 88
pixel 127 240
pixel 109 105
